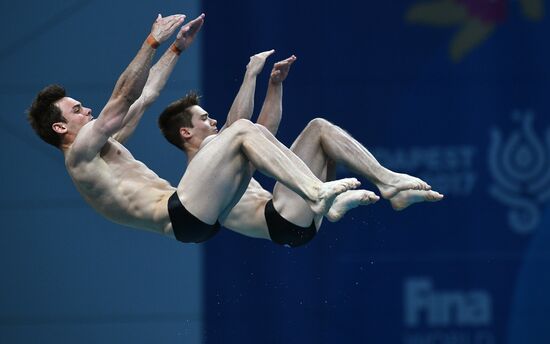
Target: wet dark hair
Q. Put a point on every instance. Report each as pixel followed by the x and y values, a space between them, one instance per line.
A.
pixel 176 116
pixel 43 113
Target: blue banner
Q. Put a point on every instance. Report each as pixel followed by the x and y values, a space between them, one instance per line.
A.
pixel 452 91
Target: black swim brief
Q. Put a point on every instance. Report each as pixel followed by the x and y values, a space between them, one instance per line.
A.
pixel 187 228
pixel 285 232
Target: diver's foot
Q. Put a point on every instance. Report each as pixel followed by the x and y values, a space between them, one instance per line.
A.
pixel 406 198
pixel 349 200
pixel 397 182
pixel 328 192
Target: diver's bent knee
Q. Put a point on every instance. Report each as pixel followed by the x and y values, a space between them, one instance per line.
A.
pixel 243 126
pixel 318 124
pixel 243 122
pixel 261 128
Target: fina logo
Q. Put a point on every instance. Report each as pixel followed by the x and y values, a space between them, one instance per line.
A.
pixel 521 171
pixel 445 308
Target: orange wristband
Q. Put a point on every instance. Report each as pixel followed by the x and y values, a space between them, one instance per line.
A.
pixel 152 41
pixel 175 49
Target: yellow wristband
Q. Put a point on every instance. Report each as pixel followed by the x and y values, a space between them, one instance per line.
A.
pixel 152 41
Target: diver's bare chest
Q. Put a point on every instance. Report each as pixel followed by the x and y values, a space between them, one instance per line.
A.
pixel 115 152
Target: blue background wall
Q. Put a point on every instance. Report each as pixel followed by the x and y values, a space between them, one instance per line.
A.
pixel 398 76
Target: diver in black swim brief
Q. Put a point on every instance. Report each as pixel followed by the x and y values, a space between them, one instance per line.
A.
pixel 187 228
pixel 178 121
pixel 285 232
pixel 319 147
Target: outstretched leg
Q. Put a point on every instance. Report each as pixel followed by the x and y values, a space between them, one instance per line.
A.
pixel 341 147
pixel 321 145
pixel 400 189
pixel 218 175
pixel 291 206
